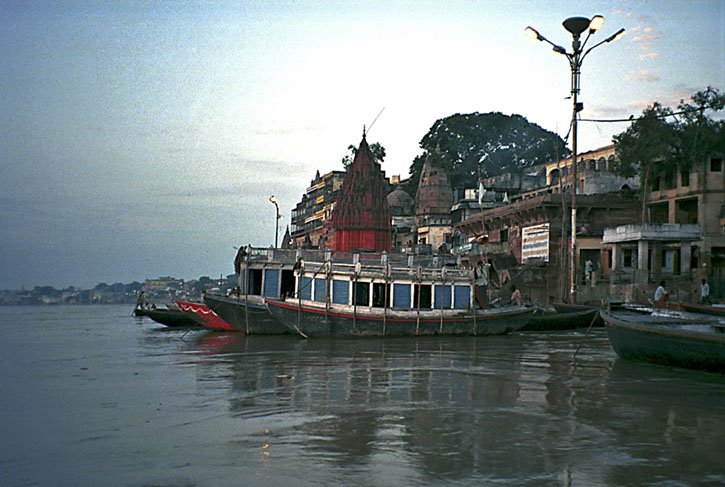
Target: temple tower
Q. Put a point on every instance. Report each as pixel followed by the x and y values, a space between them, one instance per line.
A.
pixel 434 199
pixel 361 218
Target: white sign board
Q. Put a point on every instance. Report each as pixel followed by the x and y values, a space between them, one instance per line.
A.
pixel 535 243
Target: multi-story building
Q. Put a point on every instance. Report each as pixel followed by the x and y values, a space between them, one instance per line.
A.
pixel 311 215
pixel 682 239
pixel 594 173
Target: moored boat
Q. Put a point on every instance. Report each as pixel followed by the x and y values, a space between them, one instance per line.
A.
pixel 317 320
pixel 706 309
pixel 695 343
pixel 245 313
pixel 171 317
pixel 563 317
pixel 204 316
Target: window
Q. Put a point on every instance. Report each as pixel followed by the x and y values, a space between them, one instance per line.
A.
pixel 715 164
pixel 505 235
pixel 684 177
pixel 670 182
pixel 655 183
pixel 629 258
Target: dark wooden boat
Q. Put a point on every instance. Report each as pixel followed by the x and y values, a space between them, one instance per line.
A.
pixel 204 316
pixel 171 317
pixel 247 314
pixel 564 317
pixel 312 320
pixel 701 308
pixel 691 343
pixel 138 311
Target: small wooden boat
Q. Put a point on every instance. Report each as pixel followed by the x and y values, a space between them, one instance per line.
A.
pixel 317 320
pixel 204 316
pixel 706 309
pixel 563 317
pixel 247 314
pixel 695 343
pixel 171 317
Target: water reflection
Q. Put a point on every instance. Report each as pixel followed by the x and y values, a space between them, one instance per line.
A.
pixel 473 409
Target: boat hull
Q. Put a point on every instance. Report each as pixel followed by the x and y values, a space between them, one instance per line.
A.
pixel 312 321
pixel 667 344
pixel 171 318
pixel 699 308
pixel 204 316
pixel 565 318
pixel 245 315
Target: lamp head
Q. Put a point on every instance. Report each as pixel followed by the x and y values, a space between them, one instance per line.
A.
pixel 577 25
pixel 596 23
pixel 272 199
pixel 616 36
pixel 532 33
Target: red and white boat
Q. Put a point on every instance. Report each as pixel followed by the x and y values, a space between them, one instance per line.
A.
pixel 204 316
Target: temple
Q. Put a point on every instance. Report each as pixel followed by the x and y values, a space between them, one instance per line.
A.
pixel 361 218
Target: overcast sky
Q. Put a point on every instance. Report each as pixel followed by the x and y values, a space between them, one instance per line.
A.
pixel 143 139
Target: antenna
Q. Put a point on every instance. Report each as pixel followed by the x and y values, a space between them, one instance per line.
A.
pixel 375 120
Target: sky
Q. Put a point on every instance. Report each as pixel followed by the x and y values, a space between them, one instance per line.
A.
pixel 144 139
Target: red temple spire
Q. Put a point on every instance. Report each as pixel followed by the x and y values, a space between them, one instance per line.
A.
pixel 361 218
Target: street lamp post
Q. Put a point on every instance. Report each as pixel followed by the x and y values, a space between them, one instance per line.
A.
pixel 273 200
pixel 576 26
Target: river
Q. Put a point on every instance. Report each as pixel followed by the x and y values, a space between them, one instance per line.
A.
pixel 93 396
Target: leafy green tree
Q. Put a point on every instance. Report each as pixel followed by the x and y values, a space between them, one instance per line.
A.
pixel 699 135
pixel 492 143
pixel 661 141
pixel 377 150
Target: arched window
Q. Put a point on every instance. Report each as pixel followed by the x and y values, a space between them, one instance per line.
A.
pixel 602 164
pixel 554 177
pixel 610 162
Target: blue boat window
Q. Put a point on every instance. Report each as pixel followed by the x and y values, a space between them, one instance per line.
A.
pixel 461 297
pixel 305 289
pixel 271 283
pixel 340 292
pixel 320 294
pixel 401 295
pixel 442 296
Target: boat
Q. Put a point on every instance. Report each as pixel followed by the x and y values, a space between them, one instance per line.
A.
pixel 204 316
pixel 318 320
pixel 717 310
pixel 171 316
pixel 373 297
pixel 563 317
pixel 691 342
pixel 245 313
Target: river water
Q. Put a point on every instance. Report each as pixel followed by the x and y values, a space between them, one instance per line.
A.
pixel 92 396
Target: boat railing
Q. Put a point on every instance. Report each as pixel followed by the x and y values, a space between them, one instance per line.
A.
pixel 370 271
pixel 376 261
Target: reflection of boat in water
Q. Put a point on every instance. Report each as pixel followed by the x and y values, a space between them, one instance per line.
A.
pixel 695 342
pixel 563 317
pixel 247 314
pixel 204 316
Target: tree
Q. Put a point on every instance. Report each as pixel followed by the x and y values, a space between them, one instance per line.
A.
pixel 492 143
pixel 652 145
pixel 377 150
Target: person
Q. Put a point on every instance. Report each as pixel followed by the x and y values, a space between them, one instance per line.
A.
pixel 705 292
pixel 661 293
pixel 239 259
pixel 588 269
pixel 481 277
pixel 515 296
pixel 141 300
